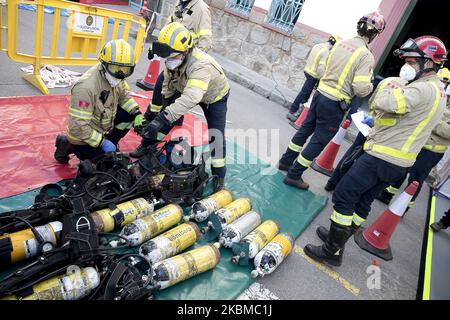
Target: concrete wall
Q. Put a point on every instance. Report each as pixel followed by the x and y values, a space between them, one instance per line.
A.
pixel 256 45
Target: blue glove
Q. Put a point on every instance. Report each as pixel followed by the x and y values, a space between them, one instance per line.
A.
pixel 368 120
pixel 107 146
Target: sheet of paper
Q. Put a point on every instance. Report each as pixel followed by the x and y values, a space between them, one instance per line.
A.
pixel 357 119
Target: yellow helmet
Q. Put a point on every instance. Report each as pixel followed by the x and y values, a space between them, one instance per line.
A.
pixel 117 57
pixel 173 39
pixel 334 38
pixel 444 74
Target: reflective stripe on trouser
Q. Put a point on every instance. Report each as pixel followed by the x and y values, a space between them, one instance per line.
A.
pixel 215 115
pixel 157 95
pixel 322 122
pixel 357 189
pixel 392 190
pixel 426 160
pixel 347 220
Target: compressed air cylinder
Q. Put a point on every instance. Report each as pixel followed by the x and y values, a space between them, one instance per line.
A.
pixel 23 244
pixel 69 286
pixel 203 208
pixel 261 236
pixel 145 228
pixel 106 220
pixel 273 254
pixel 234 210
pixel 186 265
pixel 170 243
pixel 235 231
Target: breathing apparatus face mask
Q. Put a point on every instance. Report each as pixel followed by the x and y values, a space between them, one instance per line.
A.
pixel 408 73
pixel 112 80
pixel 447 91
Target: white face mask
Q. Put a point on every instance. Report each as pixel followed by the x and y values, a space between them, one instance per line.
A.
pixel 407 72
pixel 112 81
pixel 172 64
pixel 447 91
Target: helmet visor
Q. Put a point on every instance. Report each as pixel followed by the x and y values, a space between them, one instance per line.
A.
pixel 163 50
pixel 119 72
pixel 410 49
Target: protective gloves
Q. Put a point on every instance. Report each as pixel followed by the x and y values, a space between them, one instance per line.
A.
pixel 107 146
pixel 368 120
pixel 157 124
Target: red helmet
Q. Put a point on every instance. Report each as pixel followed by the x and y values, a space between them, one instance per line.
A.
pixel 375 19
pixel 427 47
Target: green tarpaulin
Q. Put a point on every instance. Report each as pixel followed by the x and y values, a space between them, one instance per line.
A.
pixel 248 177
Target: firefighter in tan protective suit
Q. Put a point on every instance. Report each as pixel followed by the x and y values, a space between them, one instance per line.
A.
pixel 431 153
pixel 191 77
pixel 101 111
pixel 314 70
pixel 389 150
pixel 348 73
pixel 195 16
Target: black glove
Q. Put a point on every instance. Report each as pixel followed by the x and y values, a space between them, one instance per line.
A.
pixel 160 121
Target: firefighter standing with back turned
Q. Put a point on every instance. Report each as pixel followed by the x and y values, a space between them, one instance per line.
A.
pixel 314 70
pixel 389 150
pixel 348 73
pixel 101 111
pixel 431 153
pixel 195 15
pixel 191 77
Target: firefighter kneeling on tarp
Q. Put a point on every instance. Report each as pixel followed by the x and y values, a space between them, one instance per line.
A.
pixel 101 111
pixel 191 77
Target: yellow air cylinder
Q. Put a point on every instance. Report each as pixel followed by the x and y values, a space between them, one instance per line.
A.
pixel 143 229
pixel 273 254
pixel 23 244
pixel 261 236
pixel 203 208
pixel 170 243
pixel 70 286
pixel 107 220
pixel 234 210
pixel 186 265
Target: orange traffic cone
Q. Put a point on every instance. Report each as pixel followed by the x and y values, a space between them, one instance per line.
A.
pixel 375 239
pixel 144 8
pixel 324 163
pixel 148 83
pixel 301 118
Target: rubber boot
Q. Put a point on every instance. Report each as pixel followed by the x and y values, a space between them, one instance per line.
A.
pixel 385 197
pixel 332 250
pixel 139 152
pixel 437 226
pixel 322 232
pixel 63 149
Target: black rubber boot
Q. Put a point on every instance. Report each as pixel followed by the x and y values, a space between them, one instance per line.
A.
pixel 322 232
pixel 437 226
pixel 332 250
pixel 139 152
pixel 385 196
pixel 63 149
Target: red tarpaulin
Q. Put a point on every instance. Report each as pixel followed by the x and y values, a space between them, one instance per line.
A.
pixel 28 127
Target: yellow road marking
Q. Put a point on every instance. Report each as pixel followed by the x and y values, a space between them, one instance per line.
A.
pixel 332 274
